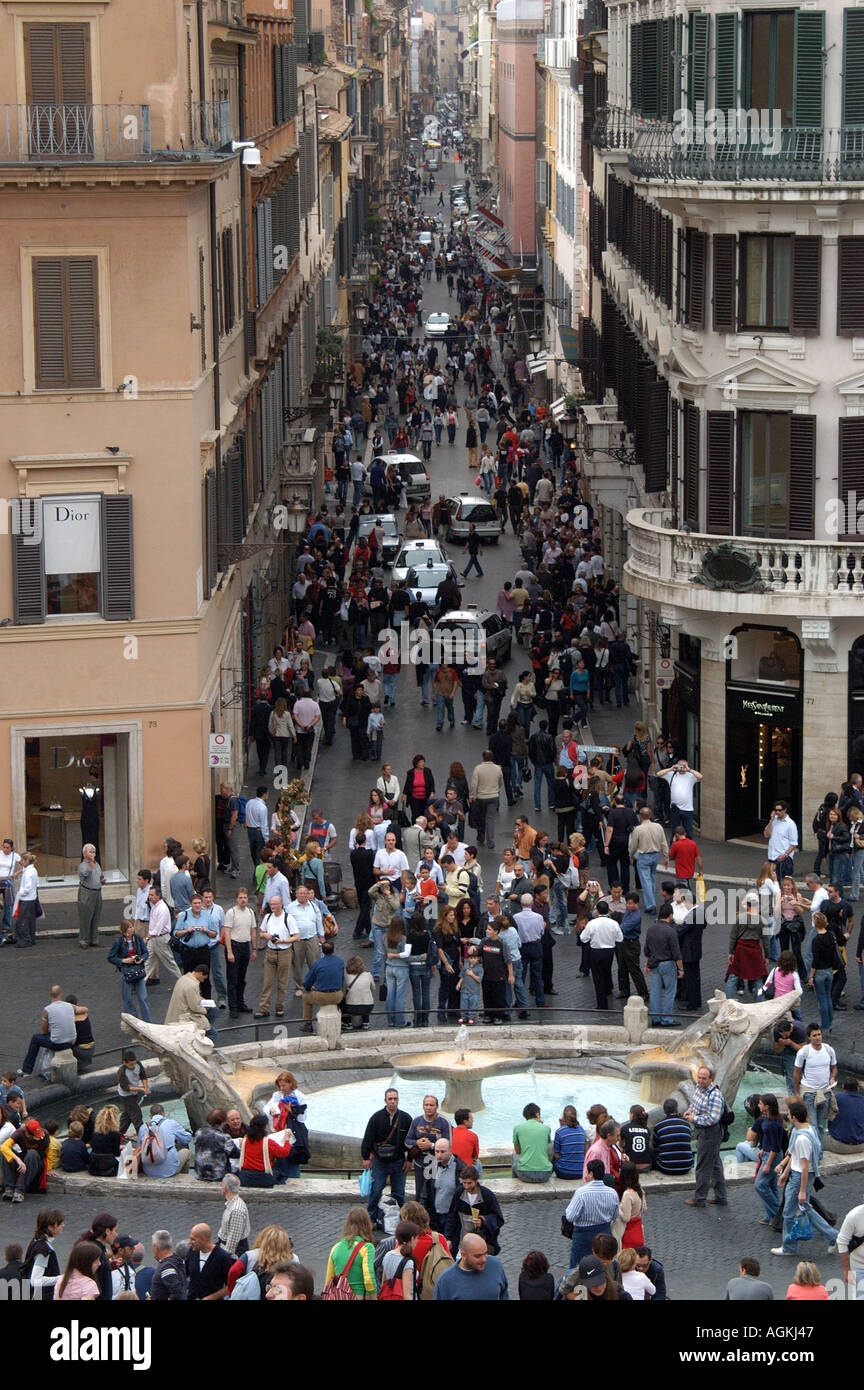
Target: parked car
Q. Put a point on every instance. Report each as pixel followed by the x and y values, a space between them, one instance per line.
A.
pixel 412 471
pixel 417 553
pixel 388 528
pixel 477 634
pixel 469 510
pixel 424 239
pixel 437 325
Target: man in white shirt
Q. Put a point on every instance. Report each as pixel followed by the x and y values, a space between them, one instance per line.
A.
pixel 277 883
pixel 852 1260
pixel 815 1074
pixel 796 1173
pixel 602 935
pixel 167 869
pixel 281 935
pixel 158 939
pixel 455 847
pixel 257 821
pixel 818 896
pixel 781 832
pixel 390 862
pixel 306 715
pixel 310 930
pixel 681 779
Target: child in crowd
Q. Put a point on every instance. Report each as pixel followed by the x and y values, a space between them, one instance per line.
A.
pixel 74 1153
pixel 469 986
pixel 375 732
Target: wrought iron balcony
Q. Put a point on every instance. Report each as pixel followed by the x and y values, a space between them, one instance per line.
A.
pixel 615 128
pixel 210 124
pixel 45 133
pixel 662 150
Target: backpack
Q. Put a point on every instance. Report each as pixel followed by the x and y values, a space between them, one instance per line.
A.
pixel 727 1119
pixel 248 1287
pixel 337 1289
pixel 241 810
pixel 436 1261
pixel 154 1148
pixel 392 1289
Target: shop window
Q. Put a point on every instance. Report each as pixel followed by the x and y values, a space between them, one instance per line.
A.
pixel 764 656
pixel 77 792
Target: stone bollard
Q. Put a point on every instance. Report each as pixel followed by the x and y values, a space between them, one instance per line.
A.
pixel 64 1068
pixel 635 1018
pixel 328 1025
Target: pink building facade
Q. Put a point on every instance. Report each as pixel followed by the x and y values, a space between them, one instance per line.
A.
pixel 518 23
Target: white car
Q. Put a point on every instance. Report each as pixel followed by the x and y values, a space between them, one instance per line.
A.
pixel 437 325
pixel 476 634
pixel 470 510
pixel 417 553
pixel 424 579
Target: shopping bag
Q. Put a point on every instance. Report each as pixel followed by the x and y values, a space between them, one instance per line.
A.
pixel 700 888
pixel 364 1182
pixel 802 1226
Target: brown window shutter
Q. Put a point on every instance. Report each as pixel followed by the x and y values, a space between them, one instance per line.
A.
pixel 674 412
pixel 118 567
pixel 690 469
pixel 28 577
pixel 74 57
pixel 48 323
pixel 657 460
pixel 211 565
pixel 806 284
pixel 83 321
pixel 202 305
pixel 802 475
pixel 850 285
pixel 680 276
pixel 696 249
pixel 723 283
pixel 42 77
pixel 720 466
pixel 851 472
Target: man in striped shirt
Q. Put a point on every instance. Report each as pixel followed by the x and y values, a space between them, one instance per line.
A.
pixel 707 1108
pixel 671 1141
pixel 592 1209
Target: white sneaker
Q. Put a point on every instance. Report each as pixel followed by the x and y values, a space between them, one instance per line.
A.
pixel 780 1251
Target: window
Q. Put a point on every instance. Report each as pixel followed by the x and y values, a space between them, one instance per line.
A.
pixel 66 322
pixel 769 62
pixel 764 473
pixel 57 74
pixel 81 563
pixel 767 281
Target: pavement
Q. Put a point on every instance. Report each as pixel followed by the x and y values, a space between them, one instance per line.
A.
pixel 341 789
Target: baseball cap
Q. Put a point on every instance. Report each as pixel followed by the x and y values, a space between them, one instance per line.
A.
pixel 33 1127
pixel 592 1272
pixel 122 1241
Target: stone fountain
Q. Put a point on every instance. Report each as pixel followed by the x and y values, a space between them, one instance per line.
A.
pixel 191 1065
pixel 461 1070
pixel 724 1039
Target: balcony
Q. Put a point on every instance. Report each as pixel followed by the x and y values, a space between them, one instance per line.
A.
pixel 615 128
pixel 45 133
pixel 811 579
pixel 662 150
pixel 227 12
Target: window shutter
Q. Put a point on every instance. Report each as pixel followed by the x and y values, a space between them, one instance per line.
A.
pixel 720 461
pixel 118 571
pixel 83 364
pixel 636 31
pixel 696 248
pixel 850 285
pixel 853 68
pixel 802 476
pixel 650 84
pixel 809 68
pixel 806 284
pixel 674 413
pixel 680 276
pixel 723 278
pixel 278 85
pixel 657 463
pixel 690 469
pixel 726 62
pixel 48 315
pixel 66 322
pixel 851 468
pixel 28 577
pixel 74 55
pixel 697 87
pixel 202 306
pixel 39 54
pixel 237 491
pixel 211 558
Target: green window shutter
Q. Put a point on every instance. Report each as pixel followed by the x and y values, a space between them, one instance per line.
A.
pixel 697 86
pixel 809 68
pixel 636 31
pixel 853 67
pixel 650 68
pixel 726 62
pixel 675 60
pixel 806 284
pixel 664 68
pixel 723 281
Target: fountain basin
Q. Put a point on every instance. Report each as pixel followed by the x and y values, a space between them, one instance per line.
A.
pixel 463 1074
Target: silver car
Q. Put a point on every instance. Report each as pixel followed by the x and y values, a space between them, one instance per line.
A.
pixel 476 634
pixel 388 529
pixel 470 510
pixel 423 579
pixel 437 325
pixel 416 553
pixel 412 471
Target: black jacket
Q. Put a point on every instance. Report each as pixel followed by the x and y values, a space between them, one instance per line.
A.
pixel 169 1281
pixel 210 1279
pixel 260 718
pixel 378 1132
pixel 487 1208
pixel 541 748
pixel 690 936
pixel 501 746
pixel 408 784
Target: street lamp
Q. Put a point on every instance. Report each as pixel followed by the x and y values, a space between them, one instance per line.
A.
pixel 535 342
pixel 335 391
pixel 361 312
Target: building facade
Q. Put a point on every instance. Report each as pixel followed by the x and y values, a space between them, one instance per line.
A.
pixel 727 257
pixel 518 23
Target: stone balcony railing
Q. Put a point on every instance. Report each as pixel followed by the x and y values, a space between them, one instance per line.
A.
pixel 810 578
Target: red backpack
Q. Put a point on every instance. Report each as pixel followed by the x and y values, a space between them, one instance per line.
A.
pixel 392 1288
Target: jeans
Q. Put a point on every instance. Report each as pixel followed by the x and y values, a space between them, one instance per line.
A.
pixel 479 707
pixel 732 983
pixel 525 713
pixel 476 563
pixel 766 1190
pixel 817 1114
pixel 419 975
pixel 840 868
pixel 397 992
pixel 542 770
pixel 622 694
pixel 646 868
pixel 560 915
pixel 583 1238
pixel 746 1153
pixel 394 1169
pixel 136 991
pixel 470 1002
pixel 41 1040
pixel 661 991
pixel 822 984
pixel 516 772
pixel 856 874
pixel 532 960
pixel 388 685
pixel 516 992
pixel 217 973
pixel 378 955
pixel 678 817
pixel 444 705
pixel 791 1207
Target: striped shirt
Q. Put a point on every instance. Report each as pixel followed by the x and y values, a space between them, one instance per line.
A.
pixel 568 1149
pixel 593 1204
pixel 672 1151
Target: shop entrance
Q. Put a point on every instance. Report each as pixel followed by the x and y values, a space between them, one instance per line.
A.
pixel 763 762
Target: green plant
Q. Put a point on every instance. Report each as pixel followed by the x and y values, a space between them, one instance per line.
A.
pixel 328 354
pixel 369 7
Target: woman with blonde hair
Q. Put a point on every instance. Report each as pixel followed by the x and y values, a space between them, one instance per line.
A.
pixel 769 892
pixel 272 1247
pixel 806 1286
pixel 106 1143
pixel 355 1254
pixel 200 866
pixel 312 871
pixel 26 905
pixel 280 726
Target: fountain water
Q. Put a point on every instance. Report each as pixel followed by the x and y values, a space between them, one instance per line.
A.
pixel 462 1070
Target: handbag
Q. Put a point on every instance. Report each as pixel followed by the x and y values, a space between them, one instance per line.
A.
pixel 802 1226
pixel 386 1150
pixel 566 1228
pixel 527 773
pixel 338 1290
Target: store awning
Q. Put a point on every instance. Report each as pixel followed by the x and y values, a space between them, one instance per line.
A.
pixel 569 344
pixel 484 212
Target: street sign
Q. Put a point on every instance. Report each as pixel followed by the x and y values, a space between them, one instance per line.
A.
pixel 664 682
pixel 220 750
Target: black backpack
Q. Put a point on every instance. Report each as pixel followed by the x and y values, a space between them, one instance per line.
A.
pixel 727 1120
